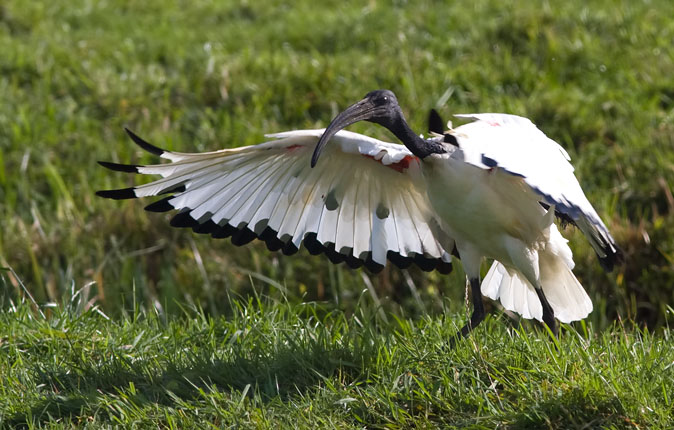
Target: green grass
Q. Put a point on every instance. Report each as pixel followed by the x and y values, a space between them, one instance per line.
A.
pixel 274 364
pixel 321 348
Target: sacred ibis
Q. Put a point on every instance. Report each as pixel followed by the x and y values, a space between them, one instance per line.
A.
pixel 488 189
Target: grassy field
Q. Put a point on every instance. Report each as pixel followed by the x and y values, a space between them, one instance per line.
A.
pixel 272 365
pixel 202 75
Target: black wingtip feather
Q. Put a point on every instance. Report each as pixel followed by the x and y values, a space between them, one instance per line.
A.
pixel 451 139
pixel 289 249
pixel 334 256
pixel 128 168
pixel 177 189
pixel 243 236
pixel 121 194
pixel 208 227
pixel 143 144
pixel 444 267
pixel 353 262
pixel 223 232
pixel 162 205
pixel 425 264
pixel 269 237
pixel 612 259
pixel 399 260
pixel 455 252
pixel 372 265
pixel 183 219
pixel 435 123
pixel 313 245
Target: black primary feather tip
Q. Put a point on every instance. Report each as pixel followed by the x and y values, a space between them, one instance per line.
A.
pixel 437 126
pixel 613 258
pixel 162 205
pixel 435 123
pixel 143 144
pixel 124 193
pixel 183 219
pixel 128 168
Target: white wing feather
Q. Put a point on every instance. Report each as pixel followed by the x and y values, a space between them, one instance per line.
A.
pixel 363 203
pixel 515 145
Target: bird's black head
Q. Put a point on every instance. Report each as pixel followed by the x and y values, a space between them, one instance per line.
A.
pixel 379 106
pixel 384 107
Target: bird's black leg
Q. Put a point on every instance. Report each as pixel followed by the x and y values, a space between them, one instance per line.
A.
pixel 478 312
pixel 548 313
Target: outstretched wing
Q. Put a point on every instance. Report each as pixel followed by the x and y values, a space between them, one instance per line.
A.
pixel 364 203
pixel 517 146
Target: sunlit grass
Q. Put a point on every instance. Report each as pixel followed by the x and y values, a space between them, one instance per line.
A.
pixel 272 364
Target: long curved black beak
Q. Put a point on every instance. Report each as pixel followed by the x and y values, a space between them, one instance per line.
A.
pixel 361 111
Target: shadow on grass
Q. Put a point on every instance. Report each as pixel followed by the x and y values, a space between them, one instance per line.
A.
pixel 79 393
pixel 576 409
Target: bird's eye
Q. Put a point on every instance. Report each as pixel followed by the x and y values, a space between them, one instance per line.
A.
pixel 382 100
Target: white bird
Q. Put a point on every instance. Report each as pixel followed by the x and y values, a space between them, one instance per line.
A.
pixel 487 189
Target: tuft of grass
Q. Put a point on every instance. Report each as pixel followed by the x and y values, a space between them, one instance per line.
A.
pixel 274 364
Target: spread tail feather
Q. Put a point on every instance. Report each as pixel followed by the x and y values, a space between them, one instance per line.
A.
pixel 565 294
pixel 515 293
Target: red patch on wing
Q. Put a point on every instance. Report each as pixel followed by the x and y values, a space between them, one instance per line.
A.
pixel 494 123
pixel 399 166
pixel 293 147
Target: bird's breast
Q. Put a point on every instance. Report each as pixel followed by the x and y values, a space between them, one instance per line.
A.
pixel 483 207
